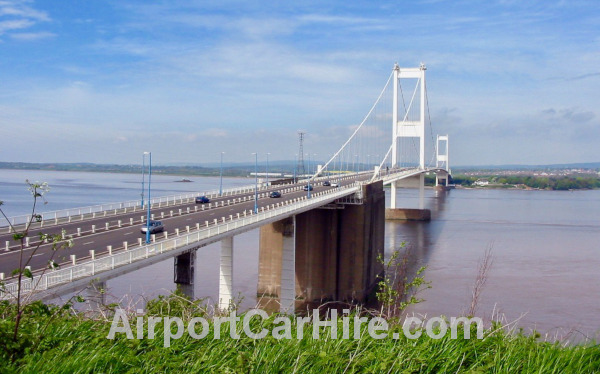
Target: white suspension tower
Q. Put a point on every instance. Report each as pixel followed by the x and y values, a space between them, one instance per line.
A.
pixel 406 128
pixel 442 157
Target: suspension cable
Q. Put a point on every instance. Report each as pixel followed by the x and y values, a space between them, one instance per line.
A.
pixel 356 130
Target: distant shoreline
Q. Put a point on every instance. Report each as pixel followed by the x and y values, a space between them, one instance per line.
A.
pixel 124 169
pixel 557 180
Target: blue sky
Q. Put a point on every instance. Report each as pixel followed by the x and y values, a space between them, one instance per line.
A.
pixel 103 81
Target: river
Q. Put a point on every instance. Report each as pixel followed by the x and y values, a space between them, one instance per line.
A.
pixel 544 244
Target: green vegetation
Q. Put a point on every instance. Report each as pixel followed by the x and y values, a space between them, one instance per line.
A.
pixel 396 290
pixel 69 343
pixel 560 183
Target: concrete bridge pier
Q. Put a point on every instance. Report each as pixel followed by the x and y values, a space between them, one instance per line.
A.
pixel 323 255
pixel 408 214
pixel 277 266
pixel 184 272
pixel 226 274
pixel 441 181
pixel 288 268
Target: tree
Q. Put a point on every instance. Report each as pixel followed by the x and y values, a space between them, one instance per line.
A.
pixel 395 290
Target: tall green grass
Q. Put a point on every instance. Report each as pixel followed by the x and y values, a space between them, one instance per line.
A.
pixel 74 344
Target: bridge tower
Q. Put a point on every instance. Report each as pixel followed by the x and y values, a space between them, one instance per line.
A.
pixel 442 159
pixel 408 127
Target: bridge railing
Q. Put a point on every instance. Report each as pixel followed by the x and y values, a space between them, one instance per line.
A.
pixel 132 205
pixel 399 173
pixel 93 267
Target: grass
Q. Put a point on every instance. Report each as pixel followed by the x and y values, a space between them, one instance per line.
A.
pixel 72 343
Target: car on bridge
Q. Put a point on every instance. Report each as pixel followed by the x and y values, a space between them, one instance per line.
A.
pixel 327 183
pixel 202 200
pixel 275 194
pixel 335 184
pixel 155 226
pixel 308 187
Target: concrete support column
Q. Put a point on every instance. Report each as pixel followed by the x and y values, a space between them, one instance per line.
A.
pixel 422 191
pixel 393 196
pixel 322 254
pixel 410 214
pixel 226 273
pixel 288 269
pixel 184 272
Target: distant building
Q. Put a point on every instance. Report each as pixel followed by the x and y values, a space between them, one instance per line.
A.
pixel 481 182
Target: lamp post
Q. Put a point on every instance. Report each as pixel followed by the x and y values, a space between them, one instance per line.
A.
pixel 143 177
pixel 255 182
pixel 356 169
pixel 149 181
pixel 268 169
pixel 221 176
pixel 315 166
pixel 308 180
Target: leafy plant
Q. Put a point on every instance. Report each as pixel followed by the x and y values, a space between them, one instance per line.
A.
pixel 21 303
pixel 396 291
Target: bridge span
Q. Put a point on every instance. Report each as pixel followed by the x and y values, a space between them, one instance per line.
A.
pixel 315 245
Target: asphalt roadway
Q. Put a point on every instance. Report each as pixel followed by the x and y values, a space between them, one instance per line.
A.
pixel 115 236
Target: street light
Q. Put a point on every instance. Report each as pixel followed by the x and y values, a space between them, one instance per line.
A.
pixel 268 169
pixel 255 182
pixel 149 180
pixel 143 167
pixel 308 180
pixel 221 176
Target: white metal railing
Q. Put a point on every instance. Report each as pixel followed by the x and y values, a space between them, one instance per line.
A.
pixel 401 174
pixel 90 210
pixel 90 268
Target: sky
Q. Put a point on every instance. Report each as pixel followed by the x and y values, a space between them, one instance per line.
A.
pixel 102 81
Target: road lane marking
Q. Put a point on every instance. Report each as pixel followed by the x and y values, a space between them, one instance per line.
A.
pixel 128 233
pixel 88 243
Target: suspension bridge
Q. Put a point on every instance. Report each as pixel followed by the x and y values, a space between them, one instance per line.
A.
pixel 319 241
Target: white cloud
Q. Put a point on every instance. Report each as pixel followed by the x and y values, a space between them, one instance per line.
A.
pixel 19 8
pixel 18 15
pixel 33 36
pixel 14 25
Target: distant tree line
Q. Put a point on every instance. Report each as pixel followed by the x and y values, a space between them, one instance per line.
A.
pixel 560 183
